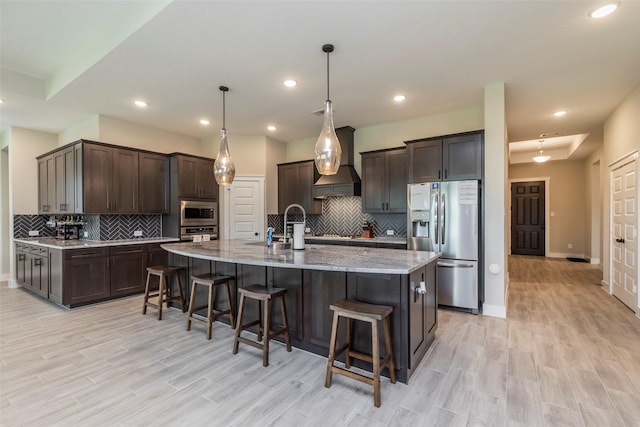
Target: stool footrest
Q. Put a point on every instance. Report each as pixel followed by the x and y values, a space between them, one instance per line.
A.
pixel 356 376
pixel 252 343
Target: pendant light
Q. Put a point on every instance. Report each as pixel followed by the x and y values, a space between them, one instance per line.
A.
pixel 540 158
pixel 223 169
pixel 327 151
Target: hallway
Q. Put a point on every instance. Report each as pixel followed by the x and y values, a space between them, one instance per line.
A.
pixel 568 354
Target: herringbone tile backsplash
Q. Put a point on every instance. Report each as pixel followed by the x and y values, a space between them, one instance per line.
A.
pixel 343 215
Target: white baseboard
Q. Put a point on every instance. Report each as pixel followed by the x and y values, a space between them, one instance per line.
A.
pixel 564 255
pixel 494 310
pixel 594 260
pixel 13 283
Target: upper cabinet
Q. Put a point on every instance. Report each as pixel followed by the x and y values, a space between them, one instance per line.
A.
pixel 110 179
pixel 450 158
pixel 96 178
pixel 195 179
pixel 384 181
pixel 295 185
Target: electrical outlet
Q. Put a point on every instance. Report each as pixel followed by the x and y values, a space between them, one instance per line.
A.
pixel 34 233
pixel 137 233
pixel 390 233
pixel 307 230
pixel 85 234
pixel 570 246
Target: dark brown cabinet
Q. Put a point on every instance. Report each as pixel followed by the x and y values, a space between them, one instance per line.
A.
pixel 320 290
pixel 195 178
pixel 295 185
pixel 423 312
pixel 127 266
pixel 86 275
pixel 450 158
pixel 110 179
pixel 384 181
pixel 57 182
pixel 154 182
pixel 21 263
pixel 32 268
pixel 55 276
pixel 46 185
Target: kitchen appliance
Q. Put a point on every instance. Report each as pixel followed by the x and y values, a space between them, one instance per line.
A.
pixel 187 233
pixel 367 230
pixel 443 217
pixel 198 213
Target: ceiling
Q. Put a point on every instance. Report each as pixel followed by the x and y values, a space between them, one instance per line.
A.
pixel 63 62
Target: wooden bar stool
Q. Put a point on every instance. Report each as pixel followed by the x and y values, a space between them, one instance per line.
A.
pixel 264 296
pixel 210 281
pixel 370 313
pixel 164 273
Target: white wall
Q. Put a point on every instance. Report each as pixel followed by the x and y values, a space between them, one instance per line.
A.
pixel 276 153
pixel 88 129
pixel 496 201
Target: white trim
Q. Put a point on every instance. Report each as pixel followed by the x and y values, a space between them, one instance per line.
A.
pixel 13 283
pixel 547 224
pixel 494 311
pixel 594 261
pixel 564 255
pixel 629 157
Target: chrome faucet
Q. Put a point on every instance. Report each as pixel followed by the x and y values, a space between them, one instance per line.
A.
pixel 286 221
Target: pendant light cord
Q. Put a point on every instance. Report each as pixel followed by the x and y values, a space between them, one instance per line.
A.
pixel 223 110
pixel 328 99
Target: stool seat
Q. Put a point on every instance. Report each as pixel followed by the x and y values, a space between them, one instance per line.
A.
pixel 371 313
pixel 164 294
pixel 264 296
pixel 211 281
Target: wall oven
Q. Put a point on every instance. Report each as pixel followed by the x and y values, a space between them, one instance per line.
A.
pixel 197 213
pixel 187 233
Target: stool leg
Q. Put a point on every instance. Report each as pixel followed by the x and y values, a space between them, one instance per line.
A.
pixel 332 349
pixel 389 350
pixel 376 363
pixel 212 297
pixel 267 333
pixel 180 291
pixel 231 316
pixel 192 301
pixel 161 294
pixel 146 295
pixel 347 358
pixel 238 324
pixel 287 337
pixel 260 321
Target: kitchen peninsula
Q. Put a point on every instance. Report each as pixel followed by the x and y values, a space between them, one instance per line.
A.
pixel 320 275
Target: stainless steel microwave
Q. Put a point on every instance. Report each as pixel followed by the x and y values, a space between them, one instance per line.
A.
pixel 198 213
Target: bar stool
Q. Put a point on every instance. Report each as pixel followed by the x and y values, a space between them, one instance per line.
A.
pixel 370 313
pixel 164 272
pixel 264 296
pixel 210 281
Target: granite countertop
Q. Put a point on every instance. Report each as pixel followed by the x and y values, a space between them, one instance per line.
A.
pixel 388 240
pixel 50 242
pixel 313 257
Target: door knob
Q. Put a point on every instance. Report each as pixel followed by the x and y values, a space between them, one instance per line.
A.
pixel 255 234
pixel 620 240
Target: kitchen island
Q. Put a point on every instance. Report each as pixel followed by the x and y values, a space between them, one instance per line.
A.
pixel 320 275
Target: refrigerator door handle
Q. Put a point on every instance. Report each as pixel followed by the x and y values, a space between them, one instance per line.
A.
pixel 444 215
pixel 450 265
pixel 436 215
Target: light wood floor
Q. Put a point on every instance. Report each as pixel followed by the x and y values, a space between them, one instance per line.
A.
pixel 568 354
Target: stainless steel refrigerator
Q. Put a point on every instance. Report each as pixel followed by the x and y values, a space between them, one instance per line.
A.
pixel 443 217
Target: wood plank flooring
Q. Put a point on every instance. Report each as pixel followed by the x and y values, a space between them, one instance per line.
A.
pixel 568 354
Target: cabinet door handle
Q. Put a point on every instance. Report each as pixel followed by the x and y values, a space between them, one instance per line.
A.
pixel 439 174
pixel 445 174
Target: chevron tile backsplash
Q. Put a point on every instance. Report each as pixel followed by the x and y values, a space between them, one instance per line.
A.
pixel 343 215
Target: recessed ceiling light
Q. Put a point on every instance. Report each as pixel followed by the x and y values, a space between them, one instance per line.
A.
pixel 1 101
pixel 290 83
pixel 271 128
pixel 603 11
pixel 140 103
pixel 204 122
pixel 560 113
pixel 399 98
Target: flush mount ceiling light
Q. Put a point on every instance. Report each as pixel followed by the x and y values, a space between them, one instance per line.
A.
pixel 327 150
pixel 271 128
pixel 290 83
pixel 204 122
pixel 603 11
pixel 399 98
pixel 223 169
pixel 560 113
pixel 140 103
pixel 540 158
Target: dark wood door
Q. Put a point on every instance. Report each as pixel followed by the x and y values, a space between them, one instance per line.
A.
pixel 527 218
pixel 320 290
pixel 462 157
pixel 397 180
pixel 207 185
pixel 86 275
pixel 124 182
pixel 374 193
pixel 127 269
pixel 43 190
pixel 154 183
pixel 291 280
pixel 187 184
pixel 97 178
pixel 425 160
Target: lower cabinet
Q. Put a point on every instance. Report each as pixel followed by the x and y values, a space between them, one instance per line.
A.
pixel 320 290
pixel 85 275
pixel 423 312
pixel 127 265
pixel 32 268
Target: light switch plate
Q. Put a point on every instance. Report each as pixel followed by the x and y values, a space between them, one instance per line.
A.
pixel 34 233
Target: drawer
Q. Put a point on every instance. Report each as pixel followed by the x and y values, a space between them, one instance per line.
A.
pixel 127 249
pixel 155 247
pixel 85 253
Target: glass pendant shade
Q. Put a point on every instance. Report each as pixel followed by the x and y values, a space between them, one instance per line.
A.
pixel 328 151
pixel 223 169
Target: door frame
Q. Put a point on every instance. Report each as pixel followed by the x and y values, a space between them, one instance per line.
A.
pixel 224 206
pixel 547 224
pixel 622 161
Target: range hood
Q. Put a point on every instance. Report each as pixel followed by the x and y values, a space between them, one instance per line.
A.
pixel 346 182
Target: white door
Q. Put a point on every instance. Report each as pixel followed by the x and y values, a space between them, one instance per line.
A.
pixel 243 203
pixel 625 234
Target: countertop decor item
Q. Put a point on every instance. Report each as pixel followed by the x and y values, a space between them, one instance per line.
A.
pixel 327 151
pixel 223 169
